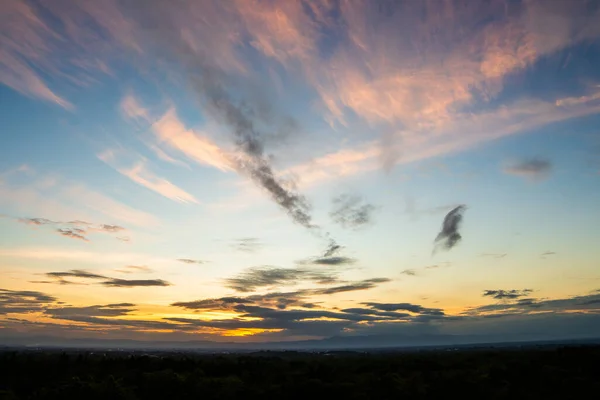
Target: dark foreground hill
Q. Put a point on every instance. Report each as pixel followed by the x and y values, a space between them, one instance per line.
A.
pixel 545 373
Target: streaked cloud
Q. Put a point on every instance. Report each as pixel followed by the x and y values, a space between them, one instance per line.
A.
pixel 140 174
pixel 507 294
pixel 268 276
pixel 101 279
pixel 23 301
pixel 75 229
pixel 247 245
pixel 24 39
pixel 191 261
pixel 135 269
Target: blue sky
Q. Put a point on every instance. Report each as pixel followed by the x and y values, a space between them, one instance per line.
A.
pixel 155 156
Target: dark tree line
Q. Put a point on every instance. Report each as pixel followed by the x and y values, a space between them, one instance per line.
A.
pixel 563 373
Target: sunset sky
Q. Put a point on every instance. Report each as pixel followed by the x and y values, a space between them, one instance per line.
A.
pixel 246 170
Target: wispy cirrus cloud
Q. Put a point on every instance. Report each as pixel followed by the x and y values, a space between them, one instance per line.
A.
pixel 247 245
pixel 26 38
pixel 132 109
pixel 134 269
pixel 191 261
pixel 140 174
pixel 170 131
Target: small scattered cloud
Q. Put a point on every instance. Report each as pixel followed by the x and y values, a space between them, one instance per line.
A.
pixel 191 261
pixel 134 269
pixel 507 294
pixel 332 249
pixel 74 229
pixel 247 244
pixel 493 255
pixel 75 273
pixel 37 221
pixel 547 254
pixel 73 233
pixel 111 228
pixel 351 211
pixel 534 169
pixel 449 235
pixel 409 272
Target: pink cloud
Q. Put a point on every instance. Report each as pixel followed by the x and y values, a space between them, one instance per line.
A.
pixel 169 130
pixel 141 175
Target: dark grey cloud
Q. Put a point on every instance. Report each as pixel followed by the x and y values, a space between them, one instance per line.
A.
pixel 280 300
pixel 190 261
pixel 102 279
pixel 351 212
pixel 534 168
pixel 413 308
pixel 360 285
pixel 248 119
pixel 267 276
pixel 507 294
pixel 108 310
pixel 114 282
pixel 73 233
pixel 409 272
pixel 521 305
pixel 547 253
pixel 370 311
pixel 23 301
pixel 75 273
pixel 247 245
pixel 332 249
pixel 449 235
pixel 336 260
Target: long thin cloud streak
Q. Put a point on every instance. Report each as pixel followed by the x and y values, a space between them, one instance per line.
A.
pixel 243 115
pixel 449 235
pixel 250 142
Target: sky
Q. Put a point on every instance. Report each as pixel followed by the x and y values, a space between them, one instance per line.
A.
pixel 250 170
